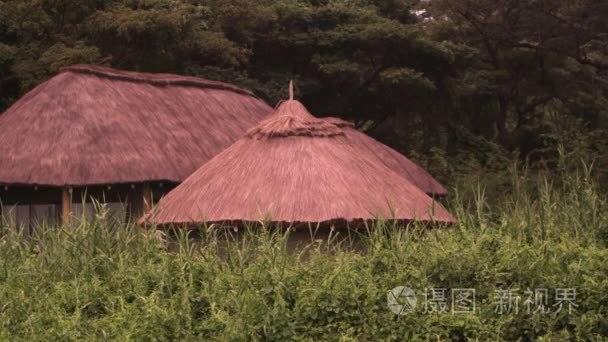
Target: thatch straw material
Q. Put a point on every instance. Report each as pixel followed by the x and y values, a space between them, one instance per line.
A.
pixel 95 125
pixel 287 125
pixel 294 168
pixel 391 158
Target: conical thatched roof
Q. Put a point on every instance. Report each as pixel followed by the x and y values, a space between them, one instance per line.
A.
pixel 393 159
pixel 95 125
pixel 295 168
pixel 388 156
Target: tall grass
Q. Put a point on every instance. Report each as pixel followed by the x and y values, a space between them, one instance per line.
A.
pixel 101 280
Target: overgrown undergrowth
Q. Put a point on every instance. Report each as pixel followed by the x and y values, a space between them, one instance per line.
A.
pixel 103 281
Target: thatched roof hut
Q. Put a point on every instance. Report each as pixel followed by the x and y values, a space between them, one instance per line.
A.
pixel 92 125
pixel 294 168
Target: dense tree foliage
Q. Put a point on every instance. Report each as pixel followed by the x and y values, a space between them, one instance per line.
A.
pixel 533 59
pixel 441 80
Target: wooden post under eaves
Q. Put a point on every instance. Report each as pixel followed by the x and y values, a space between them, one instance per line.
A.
pixel 146 198
pixel 66 205
pixel 140 200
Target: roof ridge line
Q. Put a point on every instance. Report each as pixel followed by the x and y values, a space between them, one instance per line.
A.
pixel 154 79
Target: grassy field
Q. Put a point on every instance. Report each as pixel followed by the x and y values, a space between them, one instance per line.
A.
pixel 104 281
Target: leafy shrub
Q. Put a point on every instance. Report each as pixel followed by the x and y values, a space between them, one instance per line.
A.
pixel 97 280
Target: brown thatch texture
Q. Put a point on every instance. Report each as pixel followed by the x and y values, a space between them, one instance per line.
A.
pixel 296 121
pixel 297 169
pixel 95 125
pixel 393 159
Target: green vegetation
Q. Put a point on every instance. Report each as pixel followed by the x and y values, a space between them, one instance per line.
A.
pixel 103 281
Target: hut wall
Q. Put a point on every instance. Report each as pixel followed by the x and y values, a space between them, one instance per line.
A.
pixel 27 207
pixel 26 217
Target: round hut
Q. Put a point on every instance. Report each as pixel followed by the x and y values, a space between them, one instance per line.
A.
pixel 115 135
pixel 294 168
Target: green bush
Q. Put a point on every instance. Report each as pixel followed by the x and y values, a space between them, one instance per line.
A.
pixel 102 281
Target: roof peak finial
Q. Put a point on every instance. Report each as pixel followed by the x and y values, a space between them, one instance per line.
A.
pixel 291 90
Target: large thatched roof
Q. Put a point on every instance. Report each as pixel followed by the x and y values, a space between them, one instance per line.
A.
pixel 95 125
pixel 295 168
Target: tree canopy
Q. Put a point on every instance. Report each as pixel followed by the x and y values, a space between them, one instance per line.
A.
pixel 436 79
